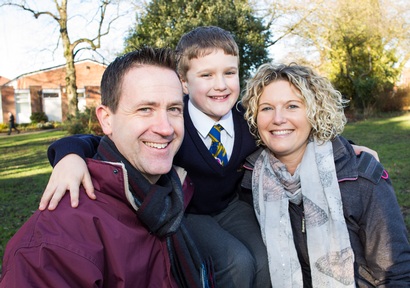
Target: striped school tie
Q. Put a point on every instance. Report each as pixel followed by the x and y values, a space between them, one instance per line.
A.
pixel 217 149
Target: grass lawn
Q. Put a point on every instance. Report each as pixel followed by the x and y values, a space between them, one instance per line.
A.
pixel 390 137
pixel 24 168
pixel 24 173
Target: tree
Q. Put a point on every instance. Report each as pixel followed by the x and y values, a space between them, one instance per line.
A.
pixel 361 46
pixel 164 22
pixel 366 65
pixel 60 14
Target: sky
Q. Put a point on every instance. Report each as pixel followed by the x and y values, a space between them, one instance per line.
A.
pixel 28 44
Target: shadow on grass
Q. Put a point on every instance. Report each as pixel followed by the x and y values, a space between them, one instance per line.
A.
pixel 17 205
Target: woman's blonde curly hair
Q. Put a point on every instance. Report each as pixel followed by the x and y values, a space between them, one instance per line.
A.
pixel 324 104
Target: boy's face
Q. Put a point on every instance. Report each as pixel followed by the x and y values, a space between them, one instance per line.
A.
pixel 212 83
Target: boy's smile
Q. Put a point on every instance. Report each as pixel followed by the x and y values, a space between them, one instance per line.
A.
pixel 212 83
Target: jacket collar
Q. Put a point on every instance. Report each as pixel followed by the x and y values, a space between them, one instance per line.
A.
pixel 111 178
pixel 345 160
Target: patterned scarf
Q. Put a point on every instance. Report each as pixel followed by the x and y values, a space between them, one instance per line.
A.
pixel 330 255
pixel 161 209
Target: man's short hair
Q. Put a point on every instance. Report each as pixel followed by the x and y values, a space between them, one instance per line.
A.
pixel 111 82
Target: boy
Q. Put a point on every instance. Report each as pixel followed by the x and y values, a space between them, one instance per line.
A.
pixel 221 225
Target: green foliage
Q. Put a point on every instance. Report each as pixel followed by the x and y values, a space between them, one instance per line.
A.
pixel 4 127
pixel 83 123
pixel 166 21
pixel 362 66
pixel 38 117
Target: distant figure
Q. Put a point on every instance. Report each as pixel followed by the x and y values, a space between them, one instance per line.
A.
pixel 11 124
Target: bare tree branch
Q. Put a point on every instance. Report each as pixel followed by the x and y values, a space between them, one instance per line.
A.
pixel 72 48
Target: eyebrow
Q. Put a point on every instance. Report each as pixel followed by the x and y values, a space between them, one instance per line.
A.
pixel 153 103
pixel 287 102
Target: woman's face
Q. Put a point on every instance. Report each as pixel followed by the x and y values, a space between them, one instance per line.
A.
pixel 282 122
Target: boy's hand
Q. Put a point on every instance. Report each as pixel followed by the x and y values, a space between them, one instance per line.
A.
pixel 68 174
pixel 360 149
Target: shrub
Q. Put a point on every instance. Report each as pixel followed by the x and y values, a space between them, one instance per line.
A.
pixel 38 117
pixel 46 125
pixel 393 101
pixel 83 123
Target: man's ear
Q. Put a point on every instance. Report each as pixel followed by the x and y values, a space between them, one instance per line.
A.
pixel 104 116
pixel 184 85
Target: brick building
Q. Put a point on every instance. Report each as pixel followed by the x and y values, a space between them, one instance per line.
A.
pixel 44 91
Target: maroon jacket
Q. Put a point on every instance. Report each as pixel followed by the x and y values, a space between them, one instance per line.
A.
pixel 101 243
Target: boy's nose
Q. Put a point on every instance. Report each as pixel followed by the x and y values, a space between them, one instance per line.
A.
pixel 220 83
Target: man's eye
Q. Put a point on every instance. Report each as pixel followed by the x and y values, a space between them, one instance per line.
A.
pixel 145 109
pixel 176 110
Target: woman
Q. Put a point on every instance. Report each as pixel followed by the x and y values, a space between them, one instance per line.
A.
pixel 329 218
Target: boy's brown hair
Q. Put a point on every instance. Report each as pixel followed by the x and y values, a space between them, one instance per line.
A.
pixel 203 41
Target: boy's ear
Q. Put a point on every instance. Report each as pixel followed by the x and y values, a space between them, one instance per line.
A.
pixel 184 85
pixel 104 116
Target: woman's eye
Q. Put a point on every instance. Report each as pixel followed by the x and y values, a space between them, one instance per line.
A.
pixel 293 106
pixel 266 108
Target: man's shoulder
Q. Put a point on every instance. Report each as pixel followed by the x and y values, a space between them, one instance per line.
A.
pixel 66 227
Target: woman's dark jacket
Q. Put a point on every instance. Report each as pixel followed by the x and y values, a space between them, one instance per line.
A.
pixel 378 235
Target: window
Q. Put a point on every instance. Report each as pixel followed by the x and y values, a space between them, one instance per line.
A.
pixel 50 95
pixel 81 93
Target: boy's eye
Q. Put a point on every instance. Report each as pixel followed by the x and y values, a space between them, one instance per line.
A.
pixel 231 73
pixel 206 75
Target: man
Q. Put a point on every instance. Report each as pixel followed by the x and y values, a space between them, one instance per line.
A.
pixel 133 234
pixel 12 125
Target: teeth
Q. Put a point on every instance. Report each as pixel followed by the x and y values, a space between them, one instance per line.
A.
pixel 282 132
pixel 219 97
pixel 156 145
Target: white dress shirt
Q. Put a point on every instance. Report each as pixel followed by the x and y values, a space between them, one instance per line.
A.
pixel 203 124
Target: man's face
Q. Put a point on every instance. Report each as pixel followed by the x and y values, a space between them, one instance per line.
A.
pixel 212 83
pixel 148 126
